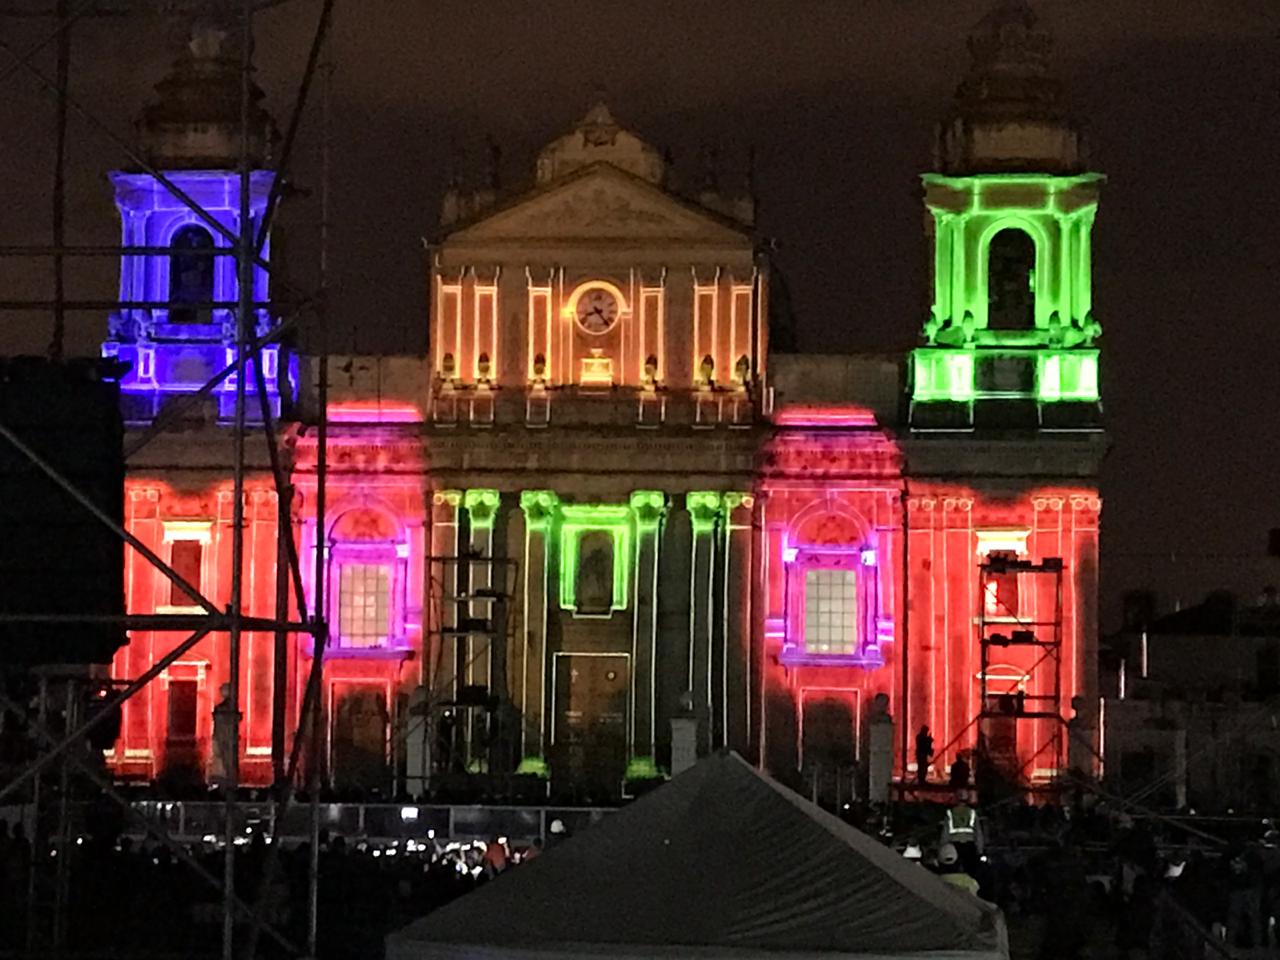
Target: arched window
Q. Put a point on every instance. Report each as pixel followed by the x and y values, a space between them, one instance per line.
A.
pixel 1011 281
pixel 830 571
pixel 190 274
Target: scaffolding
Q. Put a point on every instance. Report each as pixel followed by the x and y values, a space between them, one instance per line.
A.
pixel 472 625
pixel 1028 698
pixel 63 749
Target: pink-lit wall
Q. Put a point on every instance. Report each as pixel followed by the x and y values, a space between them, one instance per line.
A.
pixel 374 509
pixel 830 492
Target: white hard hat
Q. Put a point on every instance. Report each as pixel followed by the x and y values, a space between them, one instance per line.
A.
pixel 557 826
pixel 947 854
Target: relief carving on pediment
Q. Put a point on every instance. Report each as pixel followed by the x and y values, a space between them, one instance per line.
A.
pixel 598 208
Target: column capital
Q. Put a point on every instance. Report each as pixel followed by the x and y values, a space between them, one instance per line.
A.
pixel 649 507
pixel 539 508
pixel 704 508
pixel 450 498
pixel 482 507
pixel 735 499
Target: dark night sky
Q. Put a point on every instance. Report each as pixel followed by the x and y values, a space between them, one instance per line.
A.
pixel 839 98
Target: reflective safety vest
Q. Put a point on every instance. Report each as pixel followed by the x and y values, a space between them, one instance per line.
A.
pixel 962 824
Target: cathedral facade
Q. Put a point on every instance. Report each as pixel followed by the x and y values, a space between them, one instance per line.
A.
pixel 601 503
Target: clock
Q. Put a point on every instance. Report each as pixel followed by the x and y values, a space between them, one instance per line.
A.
pixel 597 310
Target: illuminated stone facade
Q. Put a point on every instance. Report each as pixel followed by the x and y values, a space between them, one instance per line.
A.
pixel 599 503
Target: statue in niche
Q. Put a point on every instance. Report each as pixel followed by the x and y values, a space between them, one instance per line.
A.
pixel 593 586
pixel 225 723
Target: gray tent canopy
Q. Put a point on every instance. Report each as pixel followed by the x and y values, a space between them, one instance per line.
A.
pixel 720 862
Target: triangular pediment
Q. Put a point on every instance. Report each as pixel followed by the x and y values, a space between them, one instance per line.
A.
pixel 601 202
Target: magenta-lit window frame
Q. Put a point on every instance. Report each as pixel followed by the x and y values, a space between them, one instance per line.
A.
pixel 862 560
pixel 390 553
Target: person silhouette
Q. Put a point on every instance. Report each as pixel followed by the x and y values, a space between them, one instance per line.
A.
pixel 924 753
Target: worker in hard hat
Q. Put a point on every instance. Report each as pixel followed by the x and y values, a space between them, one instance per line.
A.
pixel 962 829
pixel 951 871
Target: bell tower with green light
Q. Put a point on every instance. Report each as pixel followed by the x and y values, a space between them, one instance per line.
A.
pixel 1010 342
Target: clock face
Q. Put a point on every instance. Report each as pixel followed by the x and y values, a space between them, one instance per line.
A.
pixel 597 310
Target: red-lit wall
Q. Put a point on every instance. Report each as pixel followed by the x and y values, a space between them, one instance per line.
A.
pixel 145 749
pixel 946 526
pixel 373 468
pixel 837 481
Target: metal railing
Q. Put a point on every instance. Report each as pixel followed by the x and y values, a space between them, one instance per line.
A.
pixel 204 821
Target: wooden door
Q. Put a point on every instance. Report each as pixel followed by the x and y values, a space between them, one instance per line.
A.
pixel 360 724
pixel 591 721
pixel 828 743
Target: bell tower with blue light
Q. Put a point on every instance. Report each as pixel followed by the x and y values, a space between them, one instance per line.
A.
pixel 1010 340
pixel 176 326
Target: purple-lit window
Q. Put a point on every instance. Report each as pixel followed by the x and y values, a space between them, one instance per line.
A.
pixel 368 564
pixel 831 591
pixel 190 274
pixel 830 611
pixel 364 604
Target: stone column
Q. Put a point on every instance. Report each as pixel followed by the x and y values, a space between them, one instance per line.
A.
pixel 735 651
pixel 704 511
pixel 649 508
pixel 539 508
pixel 438 676
pixel 481 648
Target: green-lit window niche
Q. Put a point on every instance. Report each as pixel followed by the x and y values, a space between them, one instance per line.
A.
pixel 1067 376
pixel 957 376
pixel 583 529
pixel 942 375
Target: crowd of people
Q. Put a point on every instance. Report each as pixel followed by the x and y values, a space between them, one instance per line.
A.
pixel 1086 880
pixel 1070 880
pixel 140 897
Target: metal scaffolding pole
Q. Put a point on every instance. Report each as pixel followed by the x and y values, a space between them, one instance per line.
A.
pixel 152 828
pixel 247 243
pixel 60 185
pixel 80 733
pixel 135 157
pixel 75 493
pixel 322 461
pixel 235 604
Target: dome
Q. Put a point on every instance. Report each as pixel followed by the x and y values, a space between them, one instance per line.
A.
pixel 195 121
pixel 1009 113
